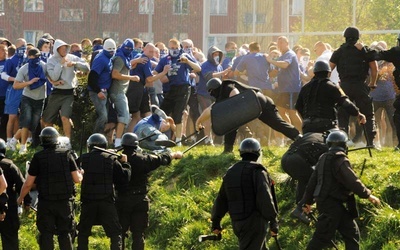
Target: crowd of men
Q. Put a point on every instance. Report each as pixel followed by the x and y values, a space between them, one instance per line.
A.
pixel 296 96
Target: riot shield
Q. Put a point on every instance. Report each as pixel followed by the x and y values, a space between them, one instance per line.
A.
pixel 234 112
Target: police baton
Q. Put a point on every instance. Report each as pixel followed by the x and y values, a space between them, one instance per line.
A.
pixel 147 137
pixel 195 144
pixel 311 214
pixel 278 244
pixel 107 151
pixel 355 149
pixel 366 138
pixel 192 134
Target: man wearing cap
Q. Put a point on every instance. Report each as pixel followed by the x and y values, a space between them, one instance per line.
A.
pixel 120 75
pixel 354 66
pixel 99 82
pixel 61 69
pixel 32 79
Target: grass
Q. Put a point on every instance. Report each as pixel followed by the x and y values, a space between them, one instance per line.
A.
pixel 182 196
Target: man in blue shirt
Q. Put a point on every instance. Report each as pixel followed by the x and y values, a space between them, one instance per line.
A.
pixel 3 90
pixel 176 99
pixel 99 82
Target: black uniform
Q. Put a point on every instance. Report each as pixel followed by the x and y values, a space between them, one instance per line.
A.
pixel 269 115
pixel 317 104
pixel 132 202
pixel 393 56
pixel 52 168
pixel 9 227
pixel 352 66
pixel 247 193
pixel 301 157
pixel 103 173
pixel 332 186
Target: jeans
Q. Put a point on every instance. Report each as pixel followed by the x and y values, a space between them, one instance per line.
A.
pixel 101 111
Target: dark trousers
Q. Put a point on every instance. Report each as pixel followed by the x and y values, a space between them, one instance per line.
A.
pixel 103 212
pixel 3 120
pixel 358 92
pixel 133 212
pixel 55 218
pixel 396 117
pixel 251 232
pixel 194 112
pixel 334 216
pixel 269 116
pixel 9 229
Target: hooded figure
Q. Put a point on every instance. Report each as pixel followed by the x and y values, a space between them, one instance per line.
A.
pixel 59 69
pixel 209 68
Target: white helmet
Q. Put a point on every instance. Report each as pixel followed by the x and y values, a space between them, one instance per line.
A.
pixel 110 45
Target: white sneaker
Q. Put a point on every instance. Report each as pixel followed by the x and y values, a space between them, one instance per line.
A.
pixel 29 140
pixel 23 150
pixel 350 143
pixel 12 144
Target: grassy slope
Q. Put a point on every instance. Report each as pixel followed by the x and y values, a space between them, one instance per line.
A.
pixel 182 197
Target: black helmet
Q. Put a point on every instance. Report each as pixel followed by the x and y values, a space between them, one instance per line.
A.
pixel 49 136
pixel 213 84
pixel 130 140
pixel 98 140
pixel 337 139
pixel 351 32
pixel 321 66
pixel 3 148
pixel 250 146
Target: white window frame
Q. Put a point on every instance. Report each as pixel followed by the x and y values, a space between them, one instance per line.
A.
pixel 112 34
pixel 109 6
pixel 217 5
pixel 34 5
pixel 145 6
pixel 33 37
pixel 1 5
pixel 296 7
pixel 71 15
pixel 179 10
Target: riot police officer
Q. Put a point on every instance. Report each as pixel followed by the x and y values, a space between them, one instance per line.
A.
pixel 353 66
pixel 222 90
pixel 393 55
pixel 132 202
pixel 333 185
pixel 247 193
pixel 10 224
pixel 103 172
pixel 54 171
pixel 318 99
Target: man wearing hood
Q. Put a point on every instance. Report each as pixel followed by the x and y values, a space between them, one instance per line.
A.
pixel 13 97
pixel 120 75
pixel 209 69
pixel 61 69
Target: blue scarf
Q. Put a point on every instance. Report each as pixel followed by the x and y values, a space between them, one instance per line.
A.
pixel 126 54
pixel 36 70
pixel 97 47
pixel 20 52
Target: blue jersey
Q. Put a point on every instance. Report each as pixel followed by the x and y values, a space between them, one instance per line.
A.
pixel 143 70
pixel 3 83
pixel 102 65
pixel 207 68
pixel 289 78
pixel 179 72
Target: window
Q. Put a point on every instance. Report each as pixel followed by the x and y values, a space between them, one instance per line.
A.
pixel 219 7
pixel 145 6
pixel 33 5
pixel 181 36
pixel 219 42
pixel 1 6
pixel 71 15
pixel 181 7
pixel 32 36
pixel 144 36
pixel 260 18
pixel 296 7
pixel 113 35
pixel 109 6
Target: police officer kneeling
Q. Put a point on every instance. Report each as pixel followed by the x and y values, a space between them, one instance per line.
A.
pixel 54 171
pixel 247 193
pixel 132 202
pixel 333 185
pixel 102 173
